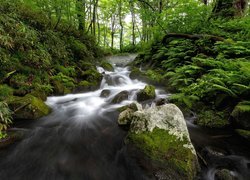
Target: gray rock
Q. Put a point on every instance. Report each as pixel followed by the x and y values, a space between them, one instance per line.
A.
pixel 120 97
pixel 105 93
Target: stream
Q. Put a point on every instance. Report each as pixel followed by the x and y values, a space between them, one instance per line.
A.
pixel 81 139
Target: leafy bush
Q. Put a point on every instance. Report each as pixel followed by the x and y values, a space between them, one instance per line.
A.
pixel 5 118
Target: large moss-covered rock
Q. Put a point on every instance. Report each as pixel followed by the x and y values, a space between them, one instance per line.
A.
pixel 241 114
pixel 28 107
pixel 147 93
pixel 159 139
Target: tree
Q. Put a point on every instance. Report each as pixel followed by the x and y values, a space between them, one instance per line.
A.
pixel 229 8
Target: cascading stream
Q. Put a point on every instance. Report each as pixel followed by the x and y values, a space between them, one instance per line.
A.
pixel 80 139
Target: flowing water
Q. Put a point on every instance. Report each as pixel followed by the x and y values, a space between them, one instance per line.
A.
pixel 80 139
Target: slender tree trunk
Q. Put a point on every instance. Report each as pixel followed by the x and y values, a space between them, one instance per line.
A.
pixel 81 8
pixel 121 25
pixel 132 9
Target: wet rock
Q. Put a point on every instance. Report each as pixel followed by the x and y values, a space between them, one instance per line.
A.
pixel 12 137
pixel 213 151
pixel 127 112
pixel 134 106
pixel 160 134
pixel 244 133
pixel 107 66
pixel 160 101
pixel 105 93
pixel 120 97
pixel 28 107
pixel 147 93
pixel 87 86
pixel 224 174
pixel 241 114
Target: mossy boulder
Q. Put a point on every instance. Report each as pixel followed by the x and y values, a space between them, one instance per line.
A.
pixel 120 97
pixel 224 174
pixel 158 138
pixel 147 93
pixel 28 107
pixel 93 77
pixel 39 94
pixel 5 91
pixel 107 66
pixel 212 119
pixel 87 86
pixel 136 73
pixel 241 114
pixel 244 133
pixel 59 88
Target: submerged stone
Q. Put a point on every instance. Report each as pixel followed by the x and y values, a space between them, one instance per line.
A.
pixel 159 137
pixel 120 97
pixel 105 93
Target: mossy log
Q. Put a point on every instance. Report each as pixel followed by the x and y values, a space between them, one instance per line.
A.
pixel 191 36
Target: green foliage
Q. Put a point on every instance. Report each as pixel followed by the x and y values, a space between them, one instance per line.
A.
pixel 212 119
pixel 5 91
pixel 65 80
pixel 5 118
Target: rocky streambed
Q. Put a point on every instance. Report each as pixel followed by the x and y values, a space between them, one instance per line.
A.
pixel 107 134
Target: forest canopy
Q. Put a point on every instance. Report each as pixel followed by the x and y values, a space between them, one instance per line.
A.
pixel 119 24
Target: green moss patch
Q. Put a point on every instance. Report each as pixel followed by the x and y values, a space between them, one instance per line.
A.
pixel 147 93
pixel 241 114
pixel 28 107
pixel 243 133
pixel 212 119
pixel 166 149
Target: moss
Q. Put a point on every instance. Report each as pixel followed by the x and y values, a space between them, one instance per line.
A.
pixel 59 88
pixel 243 133
pixel 155 76
pixel 39 94
pixel 241 114
pixel 87 86
pixel 166 149
pixel 137 74
pixel 212 119
pixel 5 91
pixel 107 66
pixel 28 107
pixel 92 75
pixel 147 93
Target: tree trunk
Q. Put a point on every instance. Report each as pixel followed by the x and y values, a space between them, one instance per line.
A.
pixel 121 25
pixel 81 7
pixel 227 9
